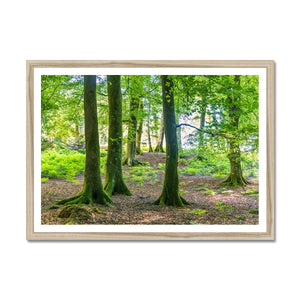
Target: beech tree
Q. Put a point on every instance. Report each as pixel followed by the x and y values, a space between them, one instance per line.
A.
pixel 92 191
pixel 234 111
pixel 135 99
pixel 170 193
pixel 114 182
pixel 160 139
pixel 139 131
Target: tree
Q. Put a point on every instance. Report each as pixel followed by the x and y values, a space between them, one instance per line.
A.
pixel 233 105
pixel 135 98
pixel 92 191
pixel 160 140
pixel 234 108
pixel 139 131
pixel 170 193
pixel 114 182
pixel 61 107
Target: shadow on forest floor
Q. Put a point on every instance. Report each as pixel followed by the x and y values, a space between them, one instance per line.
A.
pixel 210 203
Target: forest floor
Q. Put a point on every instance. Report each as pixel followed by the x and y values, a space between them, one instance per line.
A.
pixel 210 203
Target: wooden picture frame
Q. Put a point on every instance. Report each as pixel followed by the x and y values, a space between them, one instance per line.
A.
pixel 266 66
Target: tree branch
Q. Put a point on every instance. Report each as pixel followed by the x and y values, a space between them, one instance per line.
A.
pixel 204 131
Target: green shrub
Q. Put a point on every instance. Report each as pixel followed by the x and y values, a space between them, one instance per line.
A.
pixel 62 164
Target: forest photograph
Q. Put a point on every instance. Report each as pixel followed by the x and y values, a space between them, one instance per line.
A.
pixel 150 149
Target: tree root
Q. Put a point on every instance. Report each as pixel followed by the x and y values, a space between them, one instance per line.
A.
pixel 231 181
pixel 112 188
pixel 164 201
pixel 84 198
pixel 132 162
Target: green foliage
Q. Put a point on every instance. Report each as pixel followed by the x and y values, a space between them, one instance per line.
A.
pixel 66 165
pixel 253 211
pixel 251 192
pixel 215 164
pixel 142 173
pixel 198 212
pixel 222 206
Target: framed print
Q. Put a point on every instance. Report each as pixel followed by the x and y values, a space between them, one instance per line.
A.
pixel 150 150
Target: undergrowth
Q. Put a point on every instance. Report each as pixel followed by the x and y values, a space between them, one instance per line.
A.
pixel 65 163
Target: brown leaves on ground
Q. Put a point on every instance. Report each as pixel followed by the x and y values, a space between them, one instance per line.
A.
pixel 210 203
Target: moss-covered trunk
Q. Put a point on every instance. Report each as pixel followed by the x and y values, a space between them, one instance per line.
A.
pixel 149 139
pixel 202 125
pixel 235 177
pixel 114 183
pixel 129 158
pixel 139 131
pixel 170 193
pixel 160 139
pixel 178 132
pixel 92 191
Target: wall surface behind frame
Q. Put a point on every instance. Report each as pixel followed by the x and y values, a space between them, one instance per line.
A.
pixel 148 30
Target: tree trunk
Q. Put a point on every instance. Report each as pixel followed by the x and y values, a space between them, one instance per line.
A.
pixel 201 133
pixel 139 131
pixel 178 132
pixel 236 176
pixel 114 183
pixel 160 140
pixel 149 140
pixel 92 191
pixel 170 193
pixel 129 158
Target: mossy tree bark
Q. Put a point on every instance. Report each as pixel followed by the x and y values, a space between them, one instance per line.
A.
pixel 160 140
pixel 235 177
pixel 92 191
pixel 149 139
pixel 178 132
pixel 202 125
pixel 135 98
pixel 114 183
pixel 170 193
pixel 139 131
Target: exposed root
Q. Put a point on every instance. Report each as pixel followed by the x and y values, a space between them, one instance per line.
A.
pixel 163 200
pixel 132 162
pixel 84 198
pixel 235 181
pixel 113 187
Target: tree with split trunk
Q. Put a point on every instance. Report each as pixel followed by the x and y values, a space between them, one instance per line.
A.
pixel 170 194
pixel 114 183
pixel 92 191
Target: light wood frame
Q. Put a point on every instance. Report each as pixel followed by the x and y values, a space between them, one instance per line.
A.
pixel 270 201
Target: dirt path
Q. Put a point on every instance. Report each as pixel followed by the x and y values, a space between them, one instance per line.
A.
pixel 209 202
